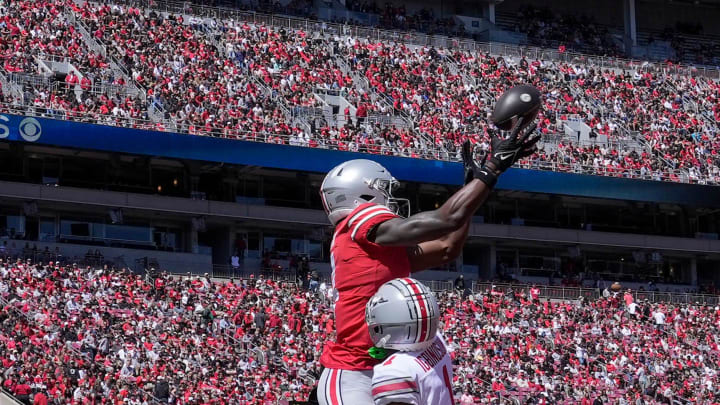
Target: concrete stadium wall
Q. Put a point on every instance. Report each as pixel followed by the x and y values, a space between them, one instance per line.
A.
pixel 82 198
pixel 71 195
pixel 578 237
pixel 7 399
pixel 178 262
pixel 324 269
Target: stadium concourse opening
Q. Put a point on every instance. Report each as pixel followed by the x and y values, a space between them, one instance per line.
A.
pixel 163 238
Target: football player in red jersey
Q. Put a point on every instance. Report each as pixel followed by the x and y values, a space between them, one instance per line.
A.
pixel 373 245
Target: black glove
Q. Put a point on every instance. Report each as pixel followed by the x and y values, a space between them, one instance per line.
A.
pixel 520 144
pixel 472 167
pixel 505 152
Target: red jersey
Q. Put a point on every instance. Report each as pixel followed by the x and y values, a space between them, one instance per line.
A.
pixel 359 268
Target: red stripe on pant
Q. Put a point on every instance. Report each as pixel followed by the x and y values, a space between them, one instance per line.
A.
pixel 334 388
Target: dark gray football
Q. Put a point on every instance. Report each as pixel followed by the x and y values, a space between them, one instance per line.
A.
pixel 519 101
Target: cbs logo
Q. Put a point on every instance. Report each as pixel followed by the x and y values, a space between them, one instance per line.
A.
pixel 29 128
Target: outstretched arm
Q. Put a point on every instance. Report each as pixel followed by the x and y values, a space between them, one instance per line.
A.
pixel 452 216
pixel 436 237
pixel 435 253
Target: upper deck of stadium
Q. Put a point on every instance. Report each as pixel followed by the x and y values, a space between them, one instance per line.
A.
pixel 302 82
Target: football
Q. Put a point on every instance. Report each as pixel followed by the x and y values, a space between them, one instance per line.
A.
pixel 519 101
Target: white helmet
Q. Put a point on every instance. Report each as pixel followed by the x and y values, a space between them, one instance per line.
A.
pixel 403 315
pixel 357 182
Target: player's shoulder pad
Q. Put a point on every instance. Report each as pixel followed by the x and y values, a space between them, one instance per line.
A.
pixel 364 211
pixel 395 380
pixel 365 217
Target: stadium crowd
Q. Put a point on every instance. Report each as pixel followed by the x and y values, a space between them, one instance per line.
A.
pixel 37 34
pixel 543 26
pixel 79 335
pixel 235 79
pixel 39 29
pixel 82 335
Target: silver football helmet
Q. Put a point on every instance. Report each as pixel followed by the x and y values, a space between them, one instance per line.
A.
pixel 403 315
pixel 357 182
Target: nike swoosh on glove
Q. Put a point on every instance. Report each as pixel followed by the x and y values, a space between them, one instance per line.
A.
pixel 505 152
pixel 520 144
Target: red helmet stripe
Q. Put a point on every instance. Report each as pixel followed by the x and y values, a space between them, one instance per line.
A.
pixel 424 327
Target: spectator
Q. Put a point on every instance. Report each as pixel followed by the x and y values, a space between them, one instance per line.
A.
pixel 40 398
pixel 628 297
pixel 22 391
pixel 460 283
pixel 260 319
pixel 235 262
pixel 161 390
pixel 659 317
pixel 632 309
pixel 534 293
pixel 314 281
pixel 361 114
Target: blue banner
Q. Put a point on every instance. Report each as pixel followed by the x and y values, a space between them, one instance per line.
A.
pixel 162 144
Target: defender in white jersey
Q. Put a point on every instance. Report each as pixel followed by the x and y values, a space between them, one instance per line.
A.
pixel 402 319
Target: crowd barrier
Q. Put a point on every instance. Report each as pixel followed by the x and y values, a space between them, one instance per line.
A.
pixel 432 152
pixel 574 293
pixel 7 398
pixel 548 292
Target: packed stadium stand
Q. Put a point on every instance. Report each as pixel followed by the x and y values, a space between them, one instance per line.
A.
pixel 318 87
pixel 80 334
pixel 135 158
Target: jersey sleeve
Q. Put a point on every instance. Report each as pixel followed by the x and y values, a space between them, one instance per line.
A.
pixel 364 219
pixel 392 382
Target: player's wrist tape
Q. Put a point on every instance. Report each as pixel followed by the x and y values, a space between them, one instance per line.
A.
pixel 487 176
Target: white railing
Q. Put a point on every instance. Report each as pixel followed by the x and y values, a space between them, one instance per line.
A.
pixel 573 293
pixel 280 103
pixel 402 120
pixel 100 48
pixel 12 88
pixel 20 79
pixel 85 33
pixel 710 125
pixel 4 394
pixel 430 153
